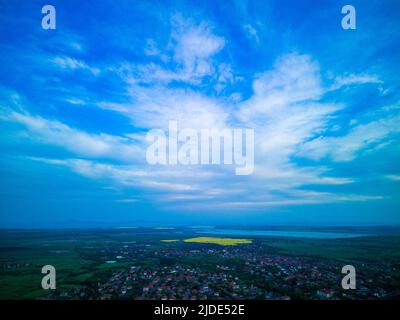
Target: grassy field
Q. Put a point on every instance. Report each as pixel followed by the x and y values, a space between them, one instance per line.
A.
pixel 370 249
pixel 80 256
pixel 219 241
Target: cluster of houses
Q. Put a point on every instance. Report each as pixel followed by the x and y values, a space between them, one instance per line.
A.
pixel 258 276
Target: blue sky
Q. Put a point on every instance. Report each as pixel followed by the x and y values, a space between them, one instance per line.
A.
pixel 76 103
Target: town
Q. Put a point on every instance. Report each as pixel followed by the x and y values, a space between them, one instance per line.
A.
pixel 196 271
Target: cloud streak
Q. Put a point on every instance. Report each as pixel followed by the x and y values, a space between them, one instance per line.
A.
pixel 190 78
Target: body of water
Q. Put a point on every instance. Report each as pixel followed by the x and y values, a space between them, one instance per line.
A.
pixel 284 233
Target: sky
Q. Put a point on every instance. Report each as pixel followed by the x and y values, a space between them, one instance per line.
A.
pixel 77 102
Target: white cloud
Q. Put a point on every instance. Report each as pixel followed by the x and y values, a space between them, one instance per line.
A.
pixel 354 79
pixel 152 107
pixel 79 142
pixel 190 55
pixel 224 77
pixel 251 32
pixel 282 201
pixel 137 176
pixel 320 199
pixel 285 110
pixel 151 48
pixel 359 138
pixel 195 45
pixel 155 107
pixel 393 177
pixel 294 79
pixel 68 63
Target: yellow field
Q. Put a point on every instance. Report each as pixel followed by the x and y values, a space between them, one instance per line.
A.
pixel 169 240
pixel 220 241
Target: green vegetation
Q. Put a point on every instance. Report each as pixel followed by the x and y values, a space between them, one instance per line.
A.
pixel 80 257
pixel 373 249
pixel 219 241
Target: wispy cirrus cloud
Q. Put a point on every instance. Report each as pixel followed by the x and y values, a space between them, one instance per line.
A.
pixel 251 32
pixel 359 138
pixel 354 79
pixel 393 177
pixel 70 64
pixel 184 80
pixel 79 142
pixel 284 110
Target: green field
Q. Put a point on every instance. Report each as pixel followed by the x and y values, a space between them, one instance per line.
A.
pixel 80 256
pixel 219 241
